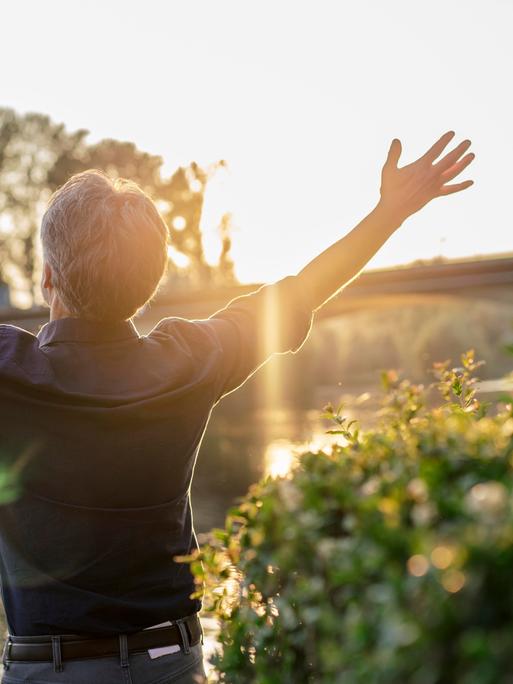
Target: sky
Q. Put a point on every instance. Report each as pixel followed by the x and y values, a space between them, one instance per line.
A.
pixel 301 98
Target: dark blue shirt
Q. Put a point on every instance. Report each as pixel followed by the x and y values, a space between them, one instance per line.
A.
pixel 100 428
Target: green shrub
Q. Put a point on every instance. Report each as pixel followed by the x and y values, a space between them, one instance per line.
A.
pixel 388 559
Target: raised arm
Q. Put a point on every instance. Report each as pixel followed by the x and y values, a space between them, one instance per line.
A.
pixel 403 192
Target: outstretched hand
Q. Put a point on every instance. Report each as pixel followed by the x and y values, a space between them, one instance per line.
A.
pixel 406 190
pixel 403 192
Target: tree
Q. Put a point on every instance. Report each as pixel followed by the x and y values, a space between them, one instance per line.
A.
pixel 30 145
pixel 37 156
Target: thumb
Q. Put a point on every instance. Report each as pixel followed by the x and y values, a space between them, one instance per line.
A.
pixel 393 154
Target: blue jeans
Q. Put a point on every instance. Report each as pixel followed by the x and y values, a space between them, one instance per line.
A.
pixel 139 668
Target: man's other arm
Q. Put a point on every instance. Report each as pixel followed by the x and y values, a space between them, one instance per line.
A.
pixel 403 192
pixel 278 317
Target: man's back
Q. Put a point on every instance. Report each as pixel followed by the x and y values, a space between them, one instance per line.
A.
pixel 102 427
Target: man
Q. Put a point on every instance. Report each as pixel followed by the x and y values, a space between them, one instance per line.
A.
pixel 101 427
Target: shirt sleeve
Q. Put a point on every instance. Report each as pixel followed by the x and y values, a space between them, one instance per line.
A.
pixel 276 318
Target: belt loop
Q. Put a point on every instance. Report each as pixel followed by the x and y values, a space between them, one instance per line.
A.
pixel 6 652
pixel 185 637
pixel 123 650
pixel 56 653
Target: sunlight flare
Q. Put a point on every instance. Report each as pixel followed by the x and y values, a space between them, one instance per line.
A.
pixel 279 457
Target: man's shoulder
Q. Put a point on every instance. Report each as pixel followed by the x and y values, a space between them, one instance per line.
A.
pixel 192 330
pixel 18 351
pixel 16 334
pixel 180 338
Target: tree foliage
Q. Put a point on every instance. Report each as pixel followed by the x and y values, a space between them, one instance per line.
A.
pixel 38 155
pixel 386 558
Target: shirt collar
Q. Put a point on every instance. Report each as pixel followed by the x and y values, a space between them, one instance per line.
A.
pixel 85 330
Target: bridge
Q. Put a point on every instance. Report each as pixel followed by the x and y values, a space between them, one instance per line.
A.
pixel 485 278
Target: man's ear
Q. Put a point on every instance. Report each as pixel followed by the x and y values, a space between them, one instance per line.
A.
pixel 46 283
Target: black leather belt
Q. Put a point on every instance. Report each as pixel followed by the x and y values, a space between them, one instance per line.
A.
pixel 74 646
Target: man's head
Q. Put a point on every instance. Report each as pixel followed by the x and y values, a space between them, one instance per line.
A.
pixel 104 248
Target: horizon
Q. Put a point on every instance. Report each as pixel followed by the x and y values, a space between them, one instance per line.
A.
pixel 164 296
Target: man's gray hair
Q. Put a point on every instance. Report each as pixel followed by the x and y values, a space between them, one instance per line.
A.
pixel 106 244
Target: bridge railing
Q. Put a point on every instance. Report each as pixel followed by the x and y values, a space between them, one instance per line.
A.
pixel 369 290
